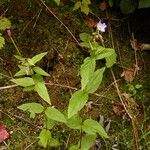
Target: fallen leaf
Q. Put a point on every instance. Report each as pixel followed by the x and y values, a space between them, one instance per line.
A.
pixel 118 109
pixel 128 75
pixel 103 6
pixel 91 23
pixel 3 133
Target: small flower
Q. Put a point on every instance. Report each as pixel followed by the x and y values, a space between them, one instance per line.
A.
pixel 101 26
pixel 8 32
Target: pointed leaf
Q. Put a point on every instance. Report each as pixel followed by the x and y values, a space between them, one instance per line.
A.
pixel 77 5
pixel 95 80
pixel 86 71
pixel 57 2
pixel 45 137
pixel 30 61
pixel 21 72
pixel 105 53
pixel 85 37
pixel 55 114
pixel 88 141
pixel 26 81
pixel 38 57
pixel 111 60
pixel 77 102
pixel 85 8
pixel 74 147
pixel 48 123
pixel 74 122
pixel 40 88
pixel 40 71
pixel 33 108
pixel 29 88
pixel 92 127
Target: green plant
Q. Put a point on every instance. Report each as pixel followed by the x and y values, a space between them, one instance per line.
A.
pixel 4 24
pixel 30 77
pixel 83 5
pixel 134 88
pixel 90 81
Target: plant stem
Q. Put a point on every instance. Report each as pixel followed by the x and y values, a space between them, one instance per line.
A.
pixel 15 45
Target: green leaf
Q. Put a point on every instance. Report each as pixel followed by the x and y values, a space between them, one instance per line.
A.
pixel 57 2
pixel 87 2
pixel 30 61
pixel 45 137
pixel 95 80
pixel 74 147
pixel 29 88
pixel 33 108
pixel 111 3
pixel 40 88
pixel 128 6
pixel 26 81
pixel 138 86
pixel 92 127
pixel 111 60
pixel 77 102
pixel 85 8
pixel 2 42
pixel 54 142
pixel 77 5
pixel 55 114
pixel 20 57
pixel 103 54
pixel 48 123
pixel 85 37
pixel 86 71
pixel 5 23
pixel 74 122
pixel 88 141
pixel 85 44
pixel 144 3
pixel 21 72
pixel 40 71
pixel 37 58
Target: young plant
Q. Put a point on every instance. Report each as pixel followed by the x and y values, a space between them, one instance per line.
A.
pixel 31 78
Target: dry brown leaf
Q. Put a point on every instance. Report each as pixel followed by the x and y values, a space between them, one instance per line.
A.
pixel 134 44
pixel 103 6
pixel 128 75
pixel 90 22
pixel 118 109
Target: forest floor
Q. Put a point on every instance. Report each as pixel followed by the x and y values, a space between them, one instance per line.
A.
pixel 36 30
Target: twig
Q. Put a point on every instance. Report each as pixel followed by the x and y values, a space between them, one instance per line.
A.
pixel 135 133
pixel 8 87
pixel 53 84
pixel 37 17
pixel 31 144
pixel 60 21
pixel 73 88
pixel 27 121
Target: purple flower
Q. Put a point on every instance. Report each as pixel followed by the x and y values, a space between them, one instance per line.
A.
pixel 8 32
pixel 101 26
